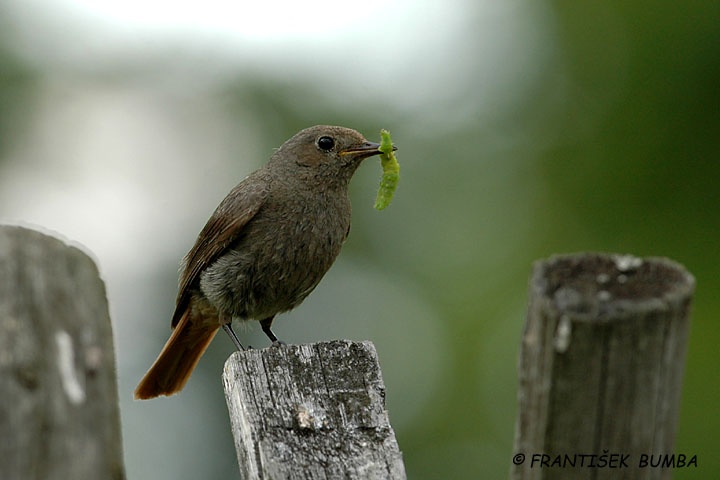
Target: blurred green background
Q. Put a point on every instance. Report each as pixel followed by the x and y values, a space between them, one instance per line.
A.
pixel 524 129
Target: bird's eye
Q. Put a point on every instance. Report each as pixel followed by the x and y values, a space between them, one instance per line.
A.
pixel 325 143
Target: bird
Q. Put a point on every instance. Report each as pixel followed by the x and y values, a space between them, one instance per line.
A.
pixel 264 249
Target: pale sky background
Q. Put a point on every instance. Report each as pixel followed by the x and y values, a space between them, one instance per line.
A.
pixel 407 52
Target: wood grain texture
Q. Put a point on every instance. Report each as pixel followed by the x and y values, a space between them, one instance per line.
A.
pixel 311 412
pixel 59 416
pixel 601 363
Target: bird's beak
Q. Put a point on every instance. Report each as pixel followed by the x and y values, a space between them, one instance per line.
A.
pixel 367 149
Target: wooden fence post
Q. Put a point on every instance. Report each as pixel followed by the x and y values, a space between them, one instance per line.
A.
pixel 601 366
pixel 59 414
pixel 311 412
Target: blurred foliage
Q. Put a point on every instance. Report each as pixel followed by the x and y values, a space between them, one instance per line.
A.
pixel 615 147
pixel 17 90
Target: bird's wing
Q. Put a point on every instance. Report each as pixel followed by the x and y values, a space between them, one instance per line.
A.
pixel 224 226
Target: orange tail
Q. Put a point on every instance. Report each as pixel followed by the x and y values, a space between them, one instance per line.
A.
pixel 178 358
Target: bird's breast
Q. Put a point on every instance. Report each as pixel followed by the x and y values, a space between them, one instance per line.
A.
pixel 283 254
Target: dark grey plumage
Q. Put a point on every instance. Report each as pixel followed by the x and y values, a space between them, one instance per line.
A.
pixel 264 249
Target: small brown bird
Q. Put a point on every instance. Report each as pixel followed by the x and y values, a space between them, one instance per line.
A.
pixel 263 250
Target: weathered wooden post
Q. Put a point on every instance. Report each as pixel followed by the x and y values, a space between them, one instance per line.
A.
pixel 311 412
pixel 59 416
pixel 601 367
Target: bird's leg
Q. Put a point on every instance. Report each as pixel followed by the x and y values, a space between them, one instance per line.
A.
pixel 265 324
pixel 227 326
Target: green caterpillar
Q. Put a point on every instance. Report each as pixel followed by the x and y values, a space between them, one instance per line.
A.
pixel 391 172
